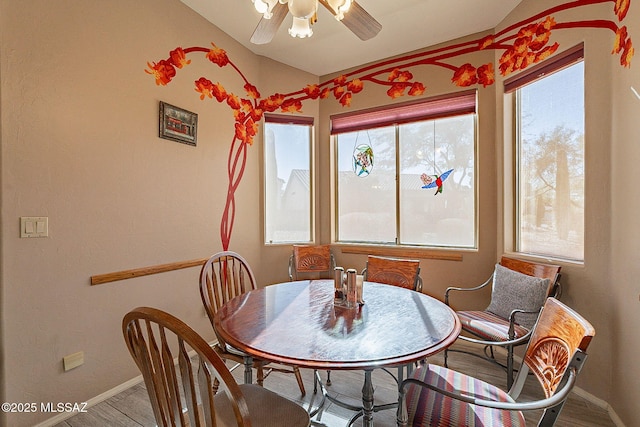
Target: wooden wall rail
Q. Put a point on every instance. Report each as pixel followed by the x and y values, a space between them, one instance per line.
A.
pixel 402 252
pixel 145 271
pixel 162 268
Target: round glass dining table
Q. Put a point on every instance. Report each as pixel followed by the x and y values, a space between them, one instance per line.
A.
pixel 297 323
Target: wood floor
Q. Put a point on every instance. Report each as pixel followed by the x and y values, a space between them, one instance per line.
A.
pixel 131 408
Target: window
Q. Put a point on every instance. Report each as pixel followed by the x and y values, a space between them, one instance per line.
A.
pixel 386 157
pixel 288 179
pixel 549 114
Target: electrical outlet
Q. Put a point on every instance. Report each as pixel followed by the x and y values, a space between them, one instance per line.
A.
pixel 73 360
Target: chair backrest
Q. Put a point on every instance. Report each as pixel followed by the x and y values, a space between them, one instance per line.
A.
pixel 558 335
pixel 224 276
pixel 315 259
pixel 535 269
pixel 181 393
pixel 404 273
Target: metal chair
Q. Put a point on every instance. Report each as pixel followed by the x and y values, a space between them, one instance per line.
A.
pixel 438 396
pixel 393 271
pixel 182 374
pixel 311 261
pixel 519 290
pixel 224 276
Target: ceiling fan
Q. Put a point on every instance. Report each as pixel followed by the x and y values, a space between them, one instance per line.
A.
pixel 350 13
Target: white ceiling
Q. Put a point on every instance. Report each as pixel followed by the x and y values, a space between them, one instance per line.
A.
pixel 406 25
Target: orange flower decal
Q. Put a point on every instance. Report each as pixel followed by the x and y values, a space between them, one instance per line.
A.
pixel 251 129
pixel 252 91
pixel 416 89
pixel 465 75
pixel 292 106
pixel 338 91
pixel 239 116
pixel 394 74
pixel 340 80
pixel 546 52
pixel 241 132
pixel 178 58
pixel 627 54
pixel 204 87
pixel 272 103
pixel 620 40
pixel 312 91
pixel 355 85
pixel 621 8
pixel 530 46
pixel 163 71
pixel 218 56
pixel 396 90
pixel 219 92
pixel 401 76
pixel 485 73
pixel 325 93
pixel 233 102
pixel 256 114
pixel 346 99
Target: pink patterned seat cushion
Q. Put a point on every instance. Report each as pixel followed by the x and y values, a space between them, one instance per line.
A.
pixel 429 408
pixel 488 326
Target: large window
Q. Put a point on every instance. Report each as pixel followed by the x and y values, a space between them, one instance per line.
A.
pixel 406 174
pixel 549 104
pixel 288 179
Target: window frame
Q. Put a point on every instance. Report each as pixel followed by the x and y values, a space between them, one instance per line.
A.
pixel 432 108
pixel 559 62
pixel 296 120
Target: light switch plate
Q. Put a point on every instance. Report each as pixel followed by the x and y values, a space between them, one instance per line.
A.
pixel 34 226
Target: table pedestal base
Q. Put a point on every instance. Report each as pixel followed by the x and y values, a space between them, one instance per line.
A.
pixel 368 407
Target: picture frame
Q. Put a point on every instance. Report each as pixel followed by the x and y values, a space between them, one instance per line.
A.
pixel 177 124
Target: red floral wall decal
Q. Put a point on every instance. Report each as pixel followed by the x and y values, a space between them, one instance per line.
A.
pixel 523 44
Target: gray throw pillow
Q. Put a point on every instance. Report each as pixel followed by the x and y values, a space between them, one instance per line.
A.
pixel 513 290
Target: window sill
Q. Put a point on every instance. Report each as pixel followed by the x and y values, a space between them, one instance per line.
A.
pixel 400 251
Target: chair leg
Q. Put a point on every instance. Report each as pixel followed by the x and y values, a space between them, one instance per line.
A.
pixel 509 367
pixel 328 378
pixel 446 355
pixel 296 372
pixel 260 374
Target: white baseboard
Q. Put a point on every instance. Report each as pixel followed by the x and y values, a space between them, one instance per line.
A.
pixel 93 401
pixel 103 396
pixel 599 403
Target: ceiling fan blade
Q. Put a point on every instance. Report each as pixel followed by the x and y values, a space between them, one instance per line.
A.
pixel 267 28
pixel 358 20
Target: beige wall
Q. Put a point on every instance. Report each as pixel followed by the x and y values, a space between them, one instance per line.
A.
pixel 622 283
pixel 79 144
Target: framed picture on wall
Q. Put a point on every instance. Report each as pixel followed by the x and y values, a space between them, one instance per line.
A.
pixel 177 124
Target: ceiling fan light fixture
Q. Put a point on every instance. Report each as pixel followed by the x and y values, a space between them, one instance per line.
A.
pixel 303 8
pixel 265 7
pixel 301 28
pixel 340 7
